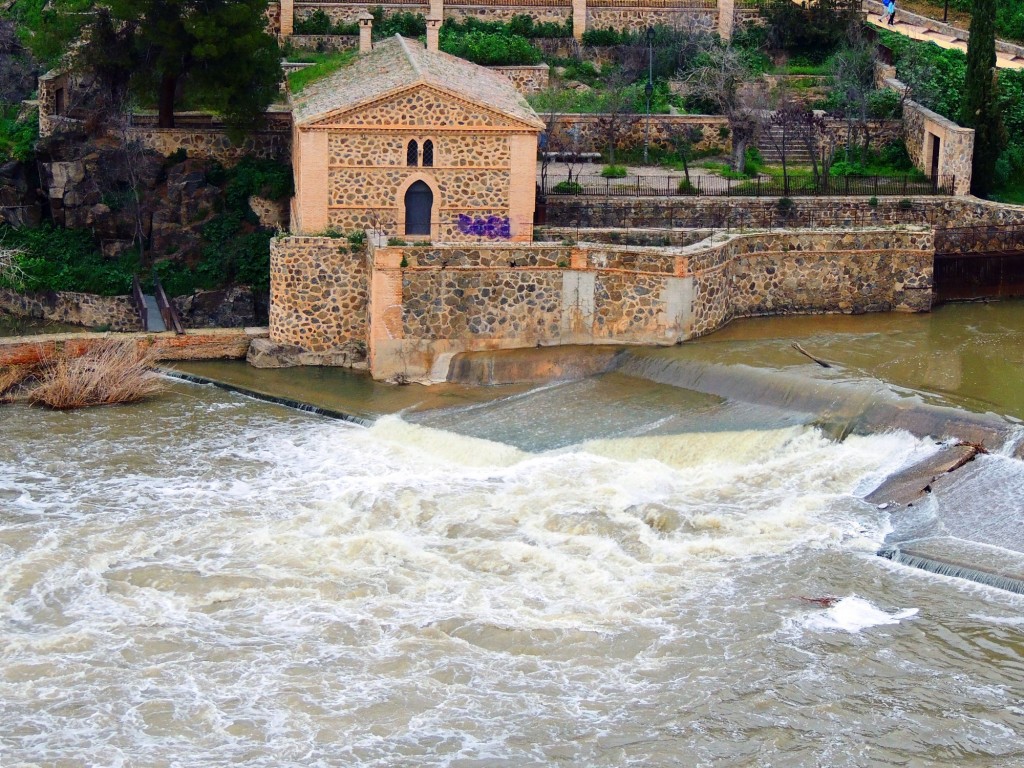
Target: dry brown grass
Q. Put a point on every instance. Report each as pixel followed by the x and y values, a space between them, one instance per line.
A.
pixel 110 372
pixel 10 377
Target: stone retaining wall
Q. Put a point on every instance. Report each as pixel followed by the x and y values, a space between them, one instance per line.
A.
pixel 956 145
pixel 318 292
pixel 738 212
pixel 115 313
pixel 663 127
pixel 324 42
pixel 220 343
pixel 425 310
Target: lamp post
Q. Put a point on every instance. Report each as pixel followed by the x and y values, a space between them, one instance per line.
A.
pixel 649 89
pixel 945 12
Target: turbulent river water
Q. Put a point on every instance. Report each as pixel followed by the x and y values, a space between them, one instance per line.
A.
pixel 606 572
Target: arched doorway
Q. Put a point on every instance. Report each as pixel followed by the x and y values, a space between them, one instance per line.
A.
pixel 419 201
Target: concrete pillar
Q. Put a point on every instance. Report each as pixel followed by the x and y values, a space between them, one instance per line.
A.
pixel 436 9
pixel 287 18
pixel 579 18
pixel 433 32
pixel 726 18
pixel 365 32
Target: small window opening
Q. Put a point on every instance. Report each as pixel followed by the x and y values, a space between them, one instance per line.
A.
pixel 428 153
pixel 412 153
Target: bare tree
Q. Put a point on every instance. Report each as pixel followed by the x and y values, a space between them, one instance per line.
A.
pixel 684 139
pixel 11 273
pixel 725 80
pixel 794 126
pixel 564 141
pixel 853 77
pixel 617 117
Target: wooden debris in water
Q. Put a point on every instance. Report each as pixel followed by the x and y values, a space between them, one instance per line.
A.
pixel 823 602
pixel 804 352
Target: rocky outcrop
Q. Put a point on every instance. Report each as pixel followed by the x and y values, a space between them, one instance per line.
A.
pixel 263 353
pixel 20 201
pixel 233 307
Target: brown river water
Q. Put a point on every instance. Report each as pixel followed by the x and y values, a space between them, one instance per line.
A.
pixel 601 572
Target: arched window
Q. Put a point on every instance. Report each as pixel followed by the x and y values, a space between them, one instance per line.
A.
pixel 412 154
pixel 428 153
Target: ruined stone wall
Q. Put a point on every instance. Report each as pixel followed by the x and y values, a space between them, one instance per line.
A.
pixel 214 143
pixel 115 313
pixel 324 42
pixel 318 292
pixel 527 80
pixel 737 212
pixel 556 11
pixel 880 133
pixel 349 12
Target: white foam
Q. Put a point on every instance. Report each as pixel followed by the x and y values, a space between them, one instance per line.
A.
pixel 853 614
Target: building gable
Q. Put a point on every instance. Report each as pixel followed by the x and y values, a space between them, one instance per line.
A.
pixel 421 107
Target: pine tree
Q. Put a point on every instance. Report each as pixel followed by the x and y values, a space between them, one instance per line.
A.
pixel 980 110
pixel 215 53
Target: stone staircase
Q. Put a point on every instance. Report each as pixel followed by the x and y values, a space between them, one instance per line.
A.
pixel 770 140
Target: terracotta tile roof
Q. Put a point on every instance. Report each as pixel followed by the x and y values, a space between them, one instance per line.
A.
pixel 398 63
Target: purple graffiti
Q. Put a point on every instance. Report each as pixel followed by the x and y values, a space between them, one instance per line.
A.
pixel 492 227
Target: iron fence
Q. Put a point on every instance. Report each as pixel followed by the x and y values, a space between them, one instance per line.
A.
pixel 987 239
pixel 676 213
pixel 715 186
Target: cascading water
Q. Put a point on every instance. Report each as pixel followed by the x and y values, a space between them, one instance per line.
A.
pixel 210 580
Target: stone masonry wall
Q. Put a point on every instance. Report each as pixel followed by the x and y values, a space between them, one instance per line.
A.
pixel 731 213
pixel 214 143
pixel 526 79
pixel 113 312
pixel 451 301
pixel 716 136
pixel 318 292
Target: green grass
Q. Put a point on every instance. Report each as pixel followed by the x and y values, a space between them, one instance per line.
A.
pixel 1012 192
pixel 323 65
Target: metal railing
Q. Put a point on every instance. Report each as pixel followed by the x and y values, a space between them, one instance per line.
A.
pixel 172 320
pixel 713 186
pixel 139 302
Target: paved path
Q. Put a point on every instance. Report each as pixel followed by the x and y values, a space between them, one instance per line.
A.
pixel 919 31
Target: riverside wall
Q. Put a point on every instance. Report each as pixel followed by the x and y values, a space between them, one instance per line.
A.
pixel 213 344
pixel 424 304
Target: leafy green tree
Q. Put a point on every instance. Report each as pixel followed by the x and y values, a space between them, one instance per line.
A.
pixel 216 51
pixel 980 109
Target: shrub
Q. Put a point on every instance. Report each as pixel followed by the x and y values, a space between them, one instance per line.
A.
pixel 18 136
pixel 885 105
pixel 316 23
pixel 489 48
pixel 873 201
pixel 109 372
pixel 403 23
pixel 56 259
pixel 614 172
pixel 568 188
pixel 685 186
pixel 606 36
pixel 785 204
pixel 356 238
pixel 906 205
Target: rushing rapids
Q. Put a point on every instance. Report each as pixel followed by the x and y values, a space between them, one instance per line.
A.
pixel 607 572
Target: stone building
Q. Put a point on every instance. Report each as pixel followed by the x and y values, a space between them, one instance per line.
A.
pixel 416 144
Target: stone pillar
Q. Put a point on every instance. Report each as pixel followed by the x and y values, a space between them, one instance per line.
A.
pixel 579 18
pixel 436 9
pixel 365 32
pixel 287 18
pixel 726 17
pixel 433 32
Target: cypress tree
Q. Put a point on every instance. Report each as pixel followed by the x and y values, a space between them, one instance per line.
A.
pixel 980 110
